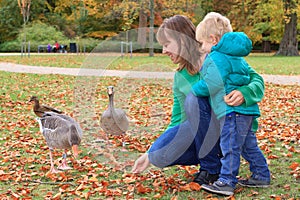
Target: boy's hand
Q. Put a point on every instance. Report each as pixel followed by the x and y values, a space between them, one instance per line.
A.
pixel 141 164
pixel 234 98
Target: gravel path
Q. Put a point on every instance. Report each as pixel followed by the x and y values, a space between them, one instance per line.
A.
pixel 10 67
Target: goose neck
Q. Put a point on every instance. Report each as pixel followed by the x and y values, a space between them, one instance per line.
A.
pixel 36 103
pixel 111 100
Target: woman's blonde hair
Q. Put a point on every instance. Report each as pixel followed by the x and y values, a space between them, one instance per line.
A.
pixel 182 30
pixel 213 24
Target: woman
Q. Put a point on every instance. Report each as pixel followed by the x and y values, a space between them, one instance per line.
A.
pixel 185 142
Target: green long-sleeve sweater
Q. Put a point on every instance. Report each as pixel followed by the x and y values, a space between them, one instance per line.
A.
pixel 183 82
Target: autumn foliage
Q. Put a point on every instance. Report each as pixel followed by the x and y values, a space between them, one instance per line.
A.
pixel 103 170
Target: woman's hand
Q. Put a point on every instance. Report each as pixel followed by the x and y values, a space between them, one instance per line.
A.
pixel 141 164
pixel 234 98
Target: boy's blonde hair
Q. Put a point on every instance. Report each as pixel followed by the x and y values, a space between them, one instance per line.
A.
pixel 213 24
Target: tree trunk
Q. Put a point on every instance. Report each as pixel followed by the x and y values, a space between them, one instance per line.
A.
pixel 289 44
pixel 142 31
pixel 151 34
pixel 266 46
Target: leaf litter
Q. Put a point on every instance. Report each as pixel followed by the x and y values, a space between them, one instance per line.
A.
pixel 103 170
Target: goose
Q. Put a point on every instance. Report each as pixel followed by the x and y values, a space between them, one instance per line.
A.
pixel 60 132
pixel 39 109
pixel 113 121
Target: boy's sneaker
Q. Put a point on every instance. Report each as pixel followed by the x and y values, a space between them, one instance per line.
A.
pixel 219 187
pixel 251 182
pixel 203 177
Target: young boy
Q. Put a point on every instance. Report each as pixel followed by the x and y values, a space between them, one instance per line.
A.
pixel 224 70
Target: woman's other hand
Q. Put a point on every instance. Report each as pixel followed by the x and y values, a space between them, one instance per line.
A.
pixel 234 98
pixel 141 164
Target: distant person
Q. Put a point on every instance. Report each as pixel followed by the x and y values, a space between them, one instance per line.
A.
pixel 49 48
pixel 57 46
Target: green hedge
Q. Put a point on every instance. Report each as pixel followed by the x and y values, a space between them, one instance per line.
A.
pixel 43 34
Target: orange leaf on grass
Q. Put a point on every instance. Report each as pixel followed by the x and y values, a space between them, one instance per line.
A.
pixel 93 179
pixel 230 198
pixel 292 149
pixel 30 159
pixel 210 197
pixel 104 183
pixel 62 176
pixel 157 182
pixel 273 140
pixel 273 157
pixel 57 196
pixel 294 165
pixel 191 186
pixel 253 193
pixel 273 196
pixel 142 189
pixel 238 190
pixel 287 187
pixel 195 186
pixel 80 187
pixel 287 155
pixel 129 180
pixel 158 196
pixel 174 198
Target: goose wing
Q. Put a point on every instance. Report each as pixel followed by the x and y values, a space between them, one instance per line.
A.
pixel 61 127
pixel 121 119
pixel 46 108
pixel 109 124
pixel 72 122
pixel 74 135
pixel 55 132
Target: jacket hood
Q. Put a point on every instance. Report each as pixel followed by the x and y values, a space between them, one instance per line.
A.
pixel 234 44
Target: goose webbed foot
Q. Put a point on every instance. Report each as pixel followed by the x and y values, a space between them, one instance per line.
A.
pixel 53 170
pixel 123 143
pixel 63 166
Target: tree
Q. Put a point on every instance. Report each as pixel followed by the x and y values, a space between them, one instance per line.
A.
pixel 142 37
pixel 289 43
pixel 265 22
pixel 25 9
pixel 10 21
pixel 151 52
pixel 262 21
pixel 166 8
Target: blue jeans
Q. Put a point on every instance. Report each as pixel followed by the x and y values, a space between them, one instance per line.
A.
pixel 237 139
pixel 195 141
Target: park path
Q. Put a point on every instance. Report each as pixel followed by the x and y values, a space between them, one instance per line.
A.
pixel 11 67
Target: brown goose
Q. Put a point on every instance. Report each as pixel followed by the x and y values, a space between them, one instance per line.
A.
pixel 114 120
pixel 39 109
pixel 60 132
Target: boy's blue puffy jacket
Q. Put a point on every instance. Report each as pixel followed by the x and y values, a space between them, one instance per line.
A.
pixel 223 71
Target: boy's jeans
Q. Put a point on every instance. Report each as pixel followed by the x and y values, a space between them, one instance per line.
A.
pixel 237 139
pixel 186 144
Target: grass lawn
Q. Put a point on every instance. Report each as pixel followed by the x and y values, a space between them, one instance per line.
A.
pixel 262 63
pixel 103 168
pixel 268 64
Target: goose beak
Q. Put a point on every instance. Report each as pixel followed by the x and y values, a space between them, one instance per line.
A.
pixel 75 150
pixel 110 91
